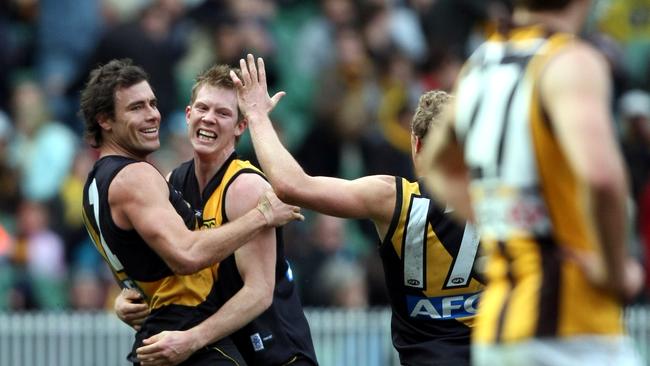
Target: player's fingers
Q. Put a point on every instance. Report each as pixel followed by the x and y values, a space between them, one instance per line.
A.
pixel 245 75
pixel 277 96
pixel 151 340
pixel 236 80
pixel 147 352
pixel 131 294
pixel 261 71
pixel 299 216
pixel 252 69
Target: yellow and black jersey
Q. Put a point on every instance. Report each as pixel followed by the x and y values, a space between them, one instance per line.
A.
pixel 176 302
pixel 281 332
pixel 434 291
pixel 528 202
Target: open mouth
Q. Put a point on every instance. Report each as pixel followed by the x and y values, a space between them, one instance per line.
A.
pixel 205 135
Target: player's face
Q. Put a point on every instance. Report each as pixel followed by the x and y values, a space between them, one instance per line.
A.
pixel 137 120
pixel 213 121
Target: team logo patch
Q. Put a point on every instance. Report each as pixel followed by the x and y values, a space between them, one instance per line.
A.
pixel 443 307
pixel 257 343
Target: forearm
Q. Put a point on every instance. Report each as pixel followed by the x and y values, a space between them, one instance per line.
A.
pixel 451 190
pixel 213 245
pixel 610 218
pixel 247 304
pixel 278 164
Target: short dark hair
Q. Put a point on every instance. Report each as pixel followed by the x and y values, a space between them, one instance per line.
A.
pixel 542 4
pixel 98 96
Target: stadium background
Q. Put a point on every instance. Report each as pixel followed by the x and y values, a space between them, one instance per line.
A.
pixel 352 70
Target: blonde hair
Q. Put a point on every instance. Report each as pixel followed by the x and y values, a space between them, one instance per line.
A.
pixel 430 107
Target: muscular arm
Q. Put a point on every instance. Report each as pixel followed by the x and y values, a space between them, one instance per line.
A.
pixel 256 265
pixel 138 197
pixel 368 197
pixel 575 91
pixel 442 165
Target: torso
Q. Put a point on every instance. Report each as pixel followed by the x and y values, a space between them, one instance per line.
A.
pixel 429 266
pixel 528 202
pixel 176 302
pixel 281 331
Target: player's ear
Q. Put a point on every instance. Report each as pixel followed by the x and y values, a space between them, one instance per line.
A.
pixel 105 122
pixel 418 144
pixel 240 127
pixel 188 110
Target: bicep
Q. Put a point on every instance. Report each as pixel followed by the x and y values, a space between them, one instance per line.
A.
pixel 256 259
pixel 143 199
pixel 576 94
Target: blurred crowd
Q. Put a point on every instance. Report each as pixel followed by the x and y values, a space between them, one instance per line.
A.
pixel 352 69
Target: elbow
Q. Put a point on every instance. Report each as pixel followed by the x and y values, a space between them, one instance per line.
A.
pixel 285 190
pixel 605 180
pixel 183 264
pixel 265 295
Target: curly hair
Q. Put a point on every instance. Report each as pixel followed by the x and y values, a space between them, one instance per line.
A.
pixel 430 107
pixel 98 96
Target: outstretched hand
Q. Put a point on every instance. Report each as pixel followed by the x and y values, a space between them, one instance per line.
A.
pixel 252 93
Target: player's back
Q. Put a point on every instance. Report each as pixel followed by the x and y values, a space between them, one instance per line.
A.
pixel 428 262
pixel 528 202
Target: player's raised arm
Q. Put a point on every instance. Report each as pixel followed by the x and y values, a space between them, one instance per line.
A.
pixel 369 197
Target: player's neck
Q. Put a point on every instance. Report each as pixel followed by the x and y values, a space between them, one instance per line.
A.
pixel 111 148
pixel 207 165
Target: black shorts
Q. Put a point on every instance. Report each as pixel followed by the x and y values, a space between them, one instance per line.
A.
pixel 300 360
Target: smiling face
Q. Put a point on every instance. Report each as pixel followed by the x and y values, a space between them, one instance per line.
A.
pixel 213 121
pixel 136 124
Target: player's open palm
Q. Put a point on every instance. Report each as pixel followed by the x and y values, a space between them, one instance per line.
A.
pixel 167 348
pixel 252 93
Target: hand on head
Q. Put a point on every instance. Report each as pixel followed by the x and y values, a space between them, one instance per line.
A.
pixel 252 92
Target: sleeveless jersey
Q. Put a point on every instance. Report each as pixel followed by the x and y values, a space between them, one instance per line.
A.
pixel 528 202
pixel 428 262
pixel 279 333
pixel 176 302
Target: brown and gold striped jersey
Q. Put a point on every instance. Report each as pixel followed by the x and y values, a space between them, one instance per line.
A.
pixel 528 201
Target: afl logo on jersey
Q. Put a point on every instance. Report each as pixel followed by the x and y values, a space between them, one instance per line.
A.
pixel 413 282
pixel 457 280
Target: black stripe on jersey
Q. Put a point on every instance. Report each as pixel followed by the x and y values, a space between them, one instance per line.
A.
pixel 506 120
pixel 216 180
pixel 396 212
pixel 225 189
pixel 511 279
pixel 472 120
pixel 549 298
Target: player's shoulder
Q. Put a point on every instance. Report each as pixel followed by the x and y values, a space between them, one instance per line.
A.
pixel 136 177
pixel 578 56
pixel 248 183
